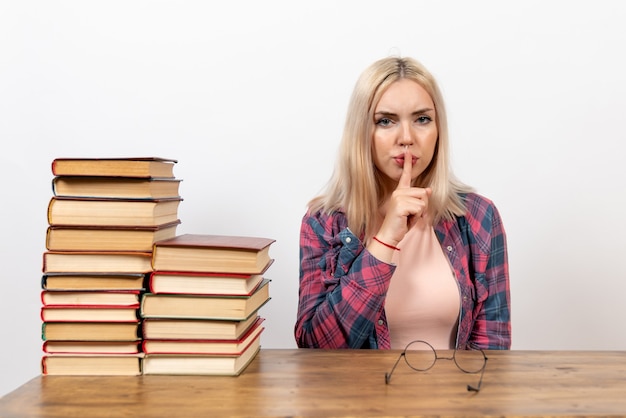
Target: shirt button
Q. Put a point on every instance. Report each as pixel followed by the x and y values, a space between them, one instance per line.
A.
pixel 381 322
pixel 449 248
pixel 348 240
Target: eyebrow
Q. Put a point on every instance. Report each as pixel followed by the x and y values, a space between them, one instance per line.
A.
pixel 417 112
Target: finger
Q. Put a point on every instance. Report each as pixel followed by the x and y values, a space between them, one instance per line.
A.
pixel 407 169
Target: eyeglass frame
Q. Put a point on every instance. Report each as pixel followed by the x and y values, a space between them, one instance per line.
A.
pixel 470 388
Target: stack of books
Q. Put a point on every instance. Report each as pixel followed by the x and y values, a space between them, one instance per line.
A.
pixel 201 309
pixel 104 217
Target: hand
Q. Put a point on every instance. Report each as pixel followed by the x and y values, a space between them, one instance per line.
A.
pixel 404 207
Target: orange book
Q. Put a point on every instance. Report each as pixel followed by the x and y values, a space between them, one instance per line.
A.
pixel 212 253
pixel 112 212
pixel 123 167
pixel 195 329
pixel 115 187
pixel 91 364
pixel 89 313
pixel 107 238
pixel 203 283
pixel 90 331
pixel 96 262
pixel 226 307
pixel 91 347
pixel 93 281
pixel 90 298
pixel 215 347
pixel 201 364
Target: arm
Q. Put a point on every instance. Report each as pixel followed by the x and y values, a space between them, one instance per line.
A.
pixel 492 326
pixel 342 286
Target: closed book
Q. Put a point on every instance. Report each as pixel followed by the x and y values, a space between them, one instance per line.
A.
pixel 97 261
pixel 212 253
pixel 90 331
pixel 87 313
pixel 223 347
pixel 93 281
pixel 122 166
pixel 128 298
pixel 198 364
pixel 115 187
pixel 91 364
pixel 204 306
pixel 199 283
pixel 107 238
pixel 91 347
pixel 196 329
pixel 112 212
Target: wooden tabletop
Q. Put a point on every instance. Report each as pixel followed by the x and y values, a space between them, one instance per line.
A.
pixel 302 382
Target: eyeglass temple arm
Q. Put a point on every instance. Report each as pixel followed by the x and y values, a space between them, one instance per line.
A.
pixel 388 375
pixel 476 388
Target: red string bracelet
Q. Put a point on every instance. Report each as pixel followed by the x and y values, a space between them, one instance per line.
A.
pixel 385 244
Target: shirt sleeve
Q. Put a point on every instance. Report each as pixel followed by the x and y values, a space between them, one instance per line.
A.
pixel 492 326
pixel 342 286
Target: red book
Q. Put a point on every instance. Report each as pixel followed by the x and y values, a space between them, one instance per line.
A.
pixel 90 313
pixel 207 347
pixel 89 298
pixel 212 253
pixel 201 283
pixel 91 347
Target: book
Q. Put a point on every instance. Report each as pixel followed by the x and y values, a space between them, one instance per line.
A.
pixel 86 313
pixel 100 262
pixel 196 329
pixel 90 331
pixel 190 364
pixel 93 281
pixel 214 253
pixel 198 283
pixel 91 347
pixel 107 238
pixel 215 347
pixel 115 187
pixel 123 167
pixel 225 307
pixel 102 298
pixel 91 364
pixel 112 212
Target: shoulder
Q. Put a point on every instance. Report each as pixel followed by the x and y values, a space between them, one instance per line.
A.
pixel 482 215
pixel 323 223
pixel 477 206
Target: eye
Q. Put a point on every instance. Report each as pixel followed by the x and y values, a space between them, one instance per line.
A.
pixel 383 122
pixel 423 120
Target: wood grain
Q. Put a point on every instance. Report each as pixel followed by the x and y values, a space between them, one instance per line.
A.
pixel 303 382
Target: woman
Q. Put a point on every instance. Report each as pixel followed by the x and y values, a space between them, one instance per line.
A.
pixel 396 248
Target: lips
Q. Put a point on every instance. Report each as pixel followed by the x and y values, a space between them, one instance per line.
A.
pixel 400 160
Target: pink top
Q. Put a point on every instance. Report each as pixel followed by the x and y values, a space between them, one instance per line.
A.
pixel 423 300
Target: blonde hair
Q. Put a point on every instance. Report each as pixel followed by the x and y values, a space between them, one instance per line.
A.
pixel 355 186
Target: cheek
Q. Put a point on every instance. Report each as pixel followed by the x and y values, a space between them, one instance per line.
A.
pixel 378 148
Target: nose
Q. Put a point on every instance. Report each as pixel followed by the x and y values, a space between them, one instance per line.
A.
pixel 406 135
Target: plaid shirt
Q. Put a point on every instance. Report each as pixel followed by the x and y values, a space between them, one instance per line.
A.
pixel 343 286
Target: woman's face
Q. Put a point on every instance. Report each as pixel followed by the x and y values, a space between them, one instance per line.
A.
pixel 404 117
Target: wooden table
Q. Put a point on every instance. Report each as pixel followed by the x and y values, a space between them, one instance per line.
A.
pixel 302 382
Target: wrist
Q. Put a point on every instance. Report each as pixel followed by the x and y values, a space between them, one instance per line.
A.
pixel 389 244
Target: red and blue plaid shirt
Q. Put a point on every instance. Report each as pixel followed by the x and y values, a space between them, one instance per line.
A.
pixel 343 286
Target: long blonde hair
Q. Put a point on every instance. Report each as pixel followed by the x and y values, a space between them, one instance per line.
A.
pixel 355 186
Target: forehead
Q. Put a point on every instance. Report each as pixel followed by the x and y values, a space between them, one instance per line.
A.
pixel 403 94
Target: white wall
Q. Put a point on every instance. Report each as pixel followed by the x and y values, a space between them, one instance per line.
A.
pixel 250 97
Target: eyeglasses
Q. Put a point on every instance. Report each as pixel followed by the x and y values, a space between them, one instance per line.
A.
pixel 421 356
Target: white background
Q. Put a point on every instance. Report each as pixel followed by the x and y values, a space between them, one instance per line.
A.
pixel 250 97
